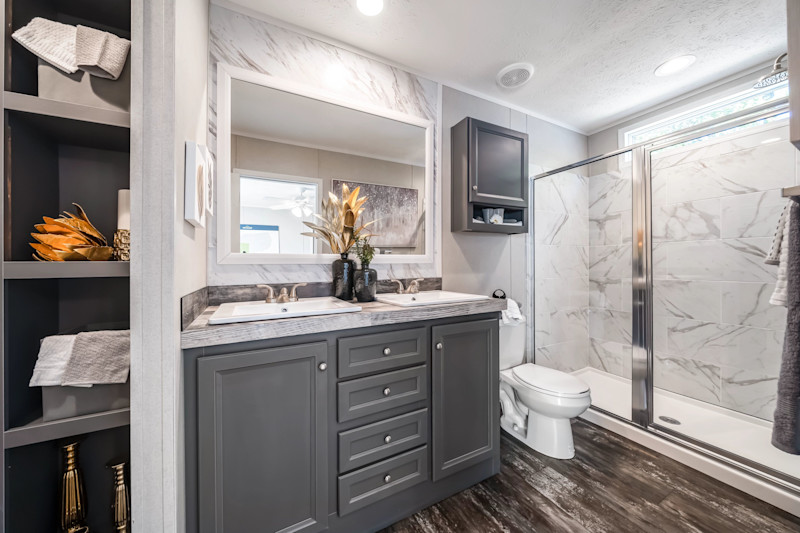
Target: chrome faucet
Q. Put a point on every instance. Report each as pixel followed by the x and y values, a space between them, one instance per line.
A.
pixel 413 287
pixel 285 296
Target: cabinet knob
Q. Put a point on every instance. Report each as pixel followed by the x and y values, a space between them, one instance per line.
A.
pixel 387 391
pixel 387 439
pixel 439 345
pixel 474 187
pixel 387 351
pixel 323 366
pixel 387 478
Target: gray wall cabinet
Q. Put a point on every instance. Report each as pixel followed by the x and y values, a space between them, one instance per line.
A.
pixel 465 395
pixel 793 19
pixel 263 440
pixel 390 426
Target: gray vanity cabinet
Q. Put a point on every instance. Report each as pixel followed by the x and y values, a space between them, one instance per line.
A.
pixel 465 391
pixel 262 440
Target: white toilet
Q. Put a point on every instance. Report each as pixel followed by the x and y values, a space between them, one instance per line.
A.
pixel 538 402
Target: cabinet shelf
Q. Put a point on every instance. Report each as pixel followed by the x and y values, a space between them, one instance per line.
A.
pixel 40 431
pixel 65 110
pixel 67 269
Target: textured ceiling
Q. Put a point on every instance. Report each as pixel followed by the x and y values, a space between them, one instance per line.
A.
pixel 594 59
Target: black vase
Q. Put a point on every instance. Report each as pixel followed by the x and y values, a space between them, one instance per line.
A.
pixel 366 284
pixel 343 270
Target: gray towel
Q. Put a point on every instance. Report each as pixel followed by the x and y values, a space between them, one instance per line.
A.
pixel 786 430
pixel 99 357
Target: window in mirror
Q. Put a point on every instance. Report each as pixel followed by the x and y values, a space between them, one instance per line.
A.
pixel 272 212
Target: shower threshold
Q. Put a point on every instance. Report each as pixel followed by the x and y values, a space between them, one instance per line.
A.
pixel 742 435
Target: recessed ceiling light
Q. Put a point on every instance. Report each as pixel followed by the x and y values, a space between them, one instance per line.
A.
pixel 674 65
pixel 370 7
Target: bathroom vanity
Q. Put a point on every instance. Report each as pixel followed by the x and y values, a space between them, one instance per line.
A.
pixel 340 423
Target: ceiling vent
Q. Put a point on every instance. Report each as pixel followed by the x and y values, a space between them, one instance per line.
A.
pixel 514 75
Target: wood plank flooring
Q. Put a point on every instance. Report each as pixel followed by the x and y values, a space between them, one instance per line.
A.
pixel 612 485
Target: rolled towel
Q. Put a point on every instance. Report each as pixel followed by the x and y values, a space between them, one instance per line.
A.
pixel 52 41
pixel 99 357
pixel 100 53
pixel 54 354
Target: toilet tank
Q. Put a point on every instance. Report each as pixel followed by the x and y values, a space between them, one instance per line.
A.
pixel 512 344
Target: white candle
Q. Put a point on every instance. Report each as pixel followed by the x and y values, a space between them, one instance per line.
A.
pixel 124 209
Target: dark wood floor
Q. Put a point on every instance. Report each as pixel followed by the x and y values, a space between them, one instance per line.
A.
pixel 612 485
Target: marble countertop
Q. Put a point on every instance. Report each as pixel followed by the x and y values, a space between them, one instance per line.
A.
pixel 200 334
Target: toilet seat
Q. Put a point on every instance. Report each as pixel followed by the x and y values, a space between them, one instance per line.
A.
pixel 550 381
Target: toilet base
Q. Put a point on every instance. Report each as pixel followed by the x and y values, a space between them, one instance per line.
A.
pixel 548 436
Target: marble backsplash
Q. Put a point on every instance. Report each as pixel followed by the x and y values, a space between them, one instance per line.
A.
pixel 246 42
pixel 715 208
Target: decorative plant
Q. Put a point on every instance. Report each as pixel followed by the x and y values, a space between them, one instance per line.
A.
pixel 365 251
pixel 70 238
pixel 338 221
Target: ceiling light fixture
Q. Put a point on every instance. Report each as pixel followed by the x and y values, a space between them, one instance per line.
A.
pixel 674 65
pixel 370 7
pixel 514 75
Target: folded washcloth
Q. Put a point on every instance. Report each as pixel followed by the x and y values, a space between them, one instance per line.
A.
pixel 54 353
pixel 52 41
pixel 512 314
pixel 496 219
pixel 101 53
pixel 99 357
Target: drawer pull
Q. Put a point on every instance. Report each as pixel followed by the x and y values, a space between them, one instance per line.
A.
pixel 387 351
pixel 387 439
pixel 387 391
pixel 439 345
pixel 387 478
pixel 323 366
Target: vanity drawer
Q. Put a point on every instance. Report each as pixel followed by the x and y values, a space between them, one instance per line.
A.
pixel 374 394
pixel 373 442
pixel 383 351
pixel 382 480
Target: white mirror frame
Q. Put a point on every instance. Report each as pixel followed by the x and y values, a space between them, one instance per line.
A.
pixel 226 73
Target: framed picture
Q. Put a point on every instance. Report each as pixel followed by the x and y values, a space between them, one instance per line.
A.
pixel 195 179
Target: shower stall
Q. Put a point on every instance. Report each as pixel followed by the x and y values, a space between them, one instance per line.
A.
pixel 650 284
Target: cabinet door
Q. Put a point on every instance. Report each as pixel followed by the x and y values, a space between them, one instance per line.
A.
pixel 262 440
pixel 498 167
pixel 793 19
pixel 465 400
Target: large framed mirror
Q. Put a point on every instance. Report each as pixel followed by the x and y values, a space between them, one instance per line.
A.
pixel 283 147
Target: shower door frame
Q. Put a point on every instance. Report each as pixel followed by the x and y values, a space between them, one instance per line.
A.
pixel 642 286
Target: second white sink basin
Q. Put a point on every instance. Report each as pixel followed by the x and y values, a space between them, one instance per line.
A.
pixel 231 313
pixel 429 298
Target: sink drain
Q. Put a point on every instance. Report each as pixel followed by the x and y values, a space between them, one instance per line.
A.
pixel 670 420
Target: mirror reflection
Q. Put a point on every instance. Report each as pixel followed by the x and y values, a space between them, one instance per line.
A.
pixel 289 152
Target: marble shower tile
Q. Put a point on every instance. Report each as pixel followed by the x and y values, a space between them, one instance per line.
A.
pixel 608 325
pixel 566 324
pixel 563 193
pixel 554 294
pixel 564 262
pixel 690 221
pixel 566 356
pixel 609 356
pixel 750 392
pixel 720 260
pixel 551 227
pixel 760 168
pixel 610 262
pixel 751 215
pixel 611 228
pixel 609 193
pixel 748 304
pixel 698 300
pixel 606 293
pixel 687 377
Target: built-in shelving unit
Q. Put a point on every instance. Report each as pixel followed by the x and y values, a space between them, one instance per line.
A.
pixel 56 153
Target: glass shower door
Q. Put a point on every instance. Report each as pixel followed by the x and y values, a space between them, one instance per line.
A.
pixel 716 338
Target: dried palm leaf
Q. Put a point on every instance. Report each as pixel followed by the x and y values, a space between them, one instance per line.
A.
pixel 45 252
pixel 57 242
pixel 95 253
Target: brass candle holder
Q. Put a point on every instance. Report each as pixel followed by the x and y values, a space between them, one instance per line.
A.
pixel 122 500
pixel 73 498
pixel 122 245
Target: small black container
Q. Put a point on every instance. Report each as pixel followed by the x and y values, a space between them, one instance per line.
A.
pixel 366 285
pixel 343 270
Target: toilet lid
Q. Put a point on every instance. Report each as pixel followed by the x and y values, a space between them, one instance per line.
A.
pixel 549 380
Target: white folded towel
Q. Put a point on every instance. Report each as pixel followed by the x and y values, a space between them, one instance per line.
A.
pixel 54 353
pixel 100 53
pixel 99 357
pixel 779 254
pixel 512 314
pixel 52 41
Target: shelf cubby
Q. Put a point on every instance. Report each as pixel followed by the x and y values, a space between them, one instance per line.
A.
pixel 33 480
pixel 41 431
pixel 37 308
pixel 66 269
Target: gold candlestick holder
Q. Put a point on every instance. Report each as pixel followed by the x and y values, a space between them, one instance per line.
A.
pixel 122 245
pixel 122 500
pixel 73 498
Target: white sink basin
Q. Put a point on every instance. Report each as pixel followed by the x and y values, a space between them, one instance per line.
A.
pixel 251 311
pixel 429 298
